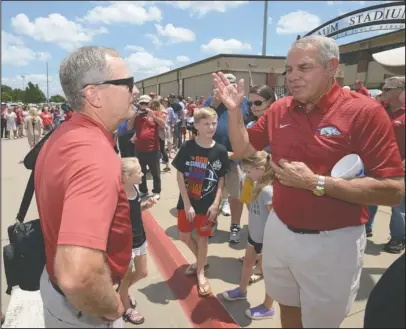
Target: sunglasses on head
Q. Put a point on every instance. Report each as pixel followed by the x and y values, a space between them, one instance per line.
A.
pixel 129 82
pixel 256 103
pixel 389 89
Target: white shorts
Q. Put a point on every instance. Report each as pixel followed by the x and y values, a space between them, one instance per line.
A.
pixel 137 252
pixel 318 272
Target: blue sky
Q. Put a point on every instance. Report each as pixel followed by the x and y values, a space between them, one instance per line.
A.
pixel 153 36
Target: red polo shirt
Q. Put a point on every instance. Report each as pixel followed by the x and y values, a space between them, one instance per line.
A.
pixel 146 130
pixel 363 90
pixel 343 123
pixel 398 123
pixel 46 118
pixel 80 198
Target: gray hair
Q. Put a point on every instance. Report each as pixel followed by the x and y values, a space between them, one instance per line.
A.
pixel 84 66
pixel 327 48
pixel 397 81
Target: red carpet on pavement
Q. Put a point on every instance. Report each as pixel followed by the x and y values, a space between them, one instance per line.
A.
pixel 203 312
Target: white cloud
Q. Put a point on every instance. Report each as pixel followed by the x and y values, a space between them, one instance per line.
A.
pixel 201 8
pixel 15 52
pixel 229 46
pixel 144 64
pixel 182 59
pixel 39 79
pixel 297 22
pixel 135 48
pixel 154 40
pixel 131 12
pixel 55 29
pixel 175 34
pixel 269 20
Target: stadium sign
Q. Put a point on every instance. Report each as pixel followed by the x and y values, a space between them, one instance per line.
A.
pixel 388 16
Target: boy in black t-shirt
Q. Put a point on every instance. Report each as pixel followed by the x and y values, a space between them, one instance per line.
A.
pixel 131 175
pixel 201 164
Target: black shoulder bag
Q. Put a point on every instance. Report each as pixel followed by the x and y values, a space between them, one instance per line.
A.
pixel 24 256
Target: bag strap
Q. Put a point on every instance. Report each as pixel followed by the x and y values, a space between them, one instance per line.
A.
pixel 31 157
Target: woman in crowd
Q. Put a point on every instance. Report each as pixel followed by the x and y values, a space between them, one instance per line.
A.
pixel 32 125
pixel 11 119
pixel 158 107
pixel 168 120
pixel 260 97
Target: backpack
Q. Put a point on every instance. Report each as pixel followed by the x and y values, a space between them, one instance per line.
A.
pixel 24 256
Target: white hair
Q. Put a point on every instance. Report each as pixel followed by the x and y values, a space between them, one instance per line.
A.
pixel 84 66
pixel 327 48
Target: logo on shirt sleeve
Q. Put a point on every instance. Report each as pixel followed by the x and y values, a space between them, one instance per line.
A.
pixel 329 131
pixel 216 165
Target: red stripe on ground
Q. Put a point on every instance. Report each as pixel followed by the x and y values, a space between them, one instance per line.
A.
pixel 203 312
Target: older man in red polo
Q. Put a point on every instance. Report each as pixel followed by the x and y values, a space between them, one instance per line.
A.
pixel 314 239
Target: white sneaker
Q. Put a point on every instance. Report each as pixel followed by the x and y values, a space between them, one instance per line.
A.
pixel 156 196
pixel 225 208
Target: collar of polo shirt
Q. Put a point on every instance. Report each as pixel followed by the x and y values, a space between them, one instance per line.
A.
pixel 324 103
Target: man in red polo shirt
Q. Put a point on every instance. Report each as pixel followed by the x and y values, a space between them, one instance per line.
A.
pixel 81 202
pixel 391 91
pixel 314 239
pixel 147 123
pixel 360 88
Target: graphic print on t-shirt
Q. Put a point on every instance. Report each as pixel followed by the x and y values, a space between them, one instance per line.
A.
pixel 199 183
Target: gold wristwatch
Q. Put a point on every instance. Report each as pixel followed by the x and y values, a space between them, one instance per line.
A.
pixel 319 190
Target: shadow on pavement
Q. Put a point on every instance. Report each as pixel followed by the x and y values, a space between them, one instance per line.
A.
pixel 367 283
pixel 226 269
pixel 174 212
pixel 236 310
pixel 373 249
pixel 158 293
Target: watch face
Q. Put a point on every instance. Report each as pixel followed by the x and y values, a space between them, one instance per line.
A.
pixel 318 192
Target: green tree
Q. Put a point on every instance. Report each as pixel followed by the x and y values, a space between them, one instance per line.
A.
pixel 33 94
pixel 57 99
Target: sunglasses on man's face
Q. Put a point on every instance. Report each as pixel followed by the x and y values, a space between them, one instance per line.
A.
pixel 385 90
pixel 129 82
pixel 145 104
pixel 256 103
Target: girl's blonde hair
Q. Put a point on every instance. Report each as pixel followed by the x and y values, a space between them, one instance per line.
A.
pixel 260 159
pixel 32 112
pixel 128 166
pixel 156 105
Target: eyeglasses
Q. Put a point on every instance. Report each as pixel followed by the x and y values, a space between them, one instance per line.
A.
pixel 146 104
pixel 129 82
pixel 256 103
pixel 385 90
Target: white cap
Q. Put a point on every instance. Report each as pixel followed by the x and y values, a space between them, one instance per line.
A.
pixel 347 87
pixel 393 60
pixel 144 99
pixel 231 77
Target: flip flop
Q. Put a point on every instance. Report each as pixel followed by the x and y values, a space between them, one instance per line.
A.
pixel 133 316
pixel 191 270
pixel 204 289
pixel 255 278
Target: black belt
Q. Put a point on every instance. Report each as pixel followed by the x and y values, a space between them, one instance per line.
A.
pixel 302 231
pixel 58 290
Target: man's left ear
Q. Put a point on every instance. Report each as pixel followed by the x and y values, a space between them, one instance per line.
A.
pixel 333 66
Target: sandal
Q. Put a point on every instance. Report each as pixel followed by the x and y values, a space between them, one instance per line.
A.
pixel 255 278
pixel 191 270
pixel 133 316
pixel 204 289
pixel 132 301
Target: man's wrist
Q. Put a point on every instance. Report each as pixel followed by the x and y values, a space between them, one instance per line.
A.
pixel 313 183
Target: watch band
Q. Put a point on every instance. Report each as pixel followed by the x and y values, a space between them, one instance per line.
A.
pixel 319 190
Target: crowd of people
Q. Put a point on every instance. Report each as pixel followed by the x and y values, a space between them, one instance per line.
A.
pixel 306 229
pixel 34 121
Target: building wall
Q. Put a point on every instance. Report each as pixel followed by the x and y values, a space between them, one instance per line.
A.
pixel 200 85
pixel 150 89
pixel 376 75
pixel 168 88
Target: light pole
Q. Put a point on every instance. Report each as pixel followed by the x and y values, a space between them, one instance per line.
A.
pixel 265 28
pixel 47 85
pixel 23 77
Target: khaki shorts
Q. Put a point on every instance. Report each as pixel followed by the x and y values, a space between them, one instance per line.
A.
pixel 318 272
pixel 233 182
pixel 59 313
